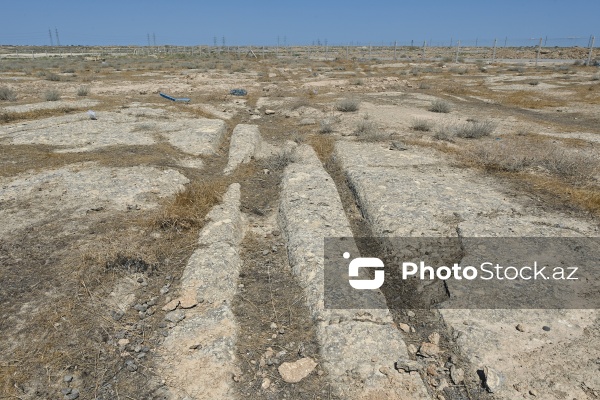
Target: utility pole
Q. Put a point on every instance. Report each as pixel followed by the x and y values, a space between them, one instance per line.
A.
pixel 148 37
pixel 537 57
pixel 494 53
pixel 50 34
pixel 457 50
pixel 57 39
pixel 589 60
pixel 154 39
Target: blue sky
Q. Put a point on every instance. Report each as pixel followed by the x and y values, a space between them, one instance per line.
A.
pixel 184 22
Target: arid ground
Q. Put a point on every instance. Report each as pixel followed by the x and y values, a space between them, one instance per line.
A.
pixel 152 249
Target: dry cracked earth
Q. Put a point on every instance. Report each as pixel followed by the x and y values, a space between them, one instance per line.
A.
pixel 160 250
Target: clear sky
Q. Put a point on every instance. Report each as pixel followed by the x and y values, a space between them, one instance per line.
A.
pixel 256 22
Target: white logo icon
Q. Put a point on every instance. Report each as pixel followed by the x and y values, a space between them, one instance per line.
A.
pixel 365 262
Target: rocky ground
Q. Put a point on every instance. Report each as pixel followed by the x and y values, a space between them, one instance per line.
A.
pixel 160 250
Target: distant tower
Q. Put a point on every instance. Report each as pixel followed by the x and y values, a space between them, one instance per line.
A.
pixel 148 36
pixel 50 34
pixel 223 41
pixel 154 39
pixel 57 39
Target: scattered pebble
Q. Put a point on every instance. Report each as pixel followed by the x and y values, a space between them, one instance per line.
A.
pixel 546 328
pixel 404 327
pixel 131 366
pixel 428 350
pixel 492 379
pixel 266 383
pixel 294 372
pixel 68 378
pixel 434 338
pixel 457 375
pixel 520 328
pixel 73 395
pixel 407 365
pixel 411 314
pixel 175 316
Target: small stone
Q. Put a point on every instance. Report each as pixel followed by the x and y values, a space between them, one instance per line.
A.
pixel 273 325
pixel 407 365
pixel 117 315
pixel 269 112
pixel 411 348
pixel 397 145
pixel 520 328
pixel 195 346
pixel 492 379
pixel 68 378
pixel 546 328
pixel 428 350
pixel 434 338
pixel 266 383
pixel 73 395
pixel 171 305
pixel 131 366
pixel 457 375
pixel 188 301
pixel 175 316
pixel 123 342
pixel 276 232
pixel 265 252
pixel 411 314
pixel 404 327
pixel 533 392
pixel 65 391
pixel 281 331
pixel 432 370
pixel 294 372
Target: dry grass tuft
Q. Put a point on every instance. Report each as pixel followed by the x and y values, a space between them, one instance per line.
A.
pixel 323 146
pixel 421 125
pixel 440 106
pixel 7 117
pixel 189 207
pixel 7 94
pixel 527 99
pixel 347 105
pixel 524 153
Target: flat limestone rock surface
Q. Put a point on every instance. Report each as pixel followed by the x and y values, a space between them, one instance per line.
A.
pixel 141 126
pixel 310 210
pixel 407 194
pixel 198 357
pixel 81 187
pixel 50 105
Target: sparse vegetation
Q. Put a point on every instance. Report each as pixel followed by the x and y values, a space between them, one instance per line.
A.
pixel 52 77
pixel 421 125
pixel 278 162
pixel 521 153
pixel 364 127
pixel 347 105
pixel 83 91
pixel 440 106
pixel 475 129
pixel 7 94
pixel 52 95
pixel 325 126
